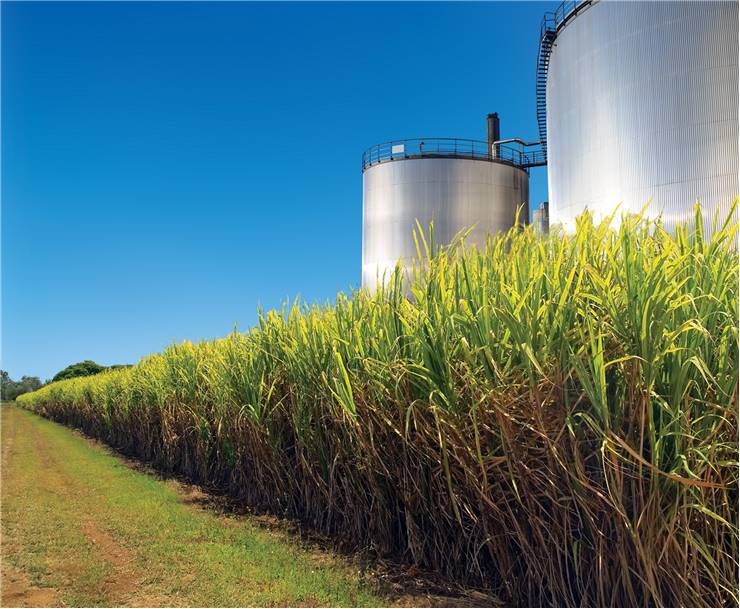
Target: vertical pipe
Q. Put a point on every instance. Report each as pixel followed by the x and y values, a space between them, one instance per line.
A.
pixel 494 133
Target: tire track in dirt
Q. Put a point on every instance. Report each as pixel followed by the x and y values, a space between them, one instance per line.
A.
pixel 16 589
pixel 121 582
pixel 9 431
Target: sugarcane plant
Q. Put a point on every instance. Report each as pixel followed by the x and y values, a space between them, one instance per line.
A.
pixel 551 417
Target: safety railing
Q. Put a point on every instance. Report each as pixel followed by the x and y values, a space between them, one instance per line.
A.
pixel 440 147
pixel 554 19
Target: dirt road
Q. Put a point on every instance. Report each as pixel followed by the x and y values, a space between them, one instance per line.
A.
pixel 81 527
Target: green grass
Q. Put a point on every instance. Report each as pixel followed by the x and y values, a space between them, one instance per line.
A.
pixel 554 418
pixel 78 520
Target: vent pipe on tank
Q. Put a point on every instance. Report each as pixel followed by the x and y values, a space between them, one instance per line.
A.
pixel 494 133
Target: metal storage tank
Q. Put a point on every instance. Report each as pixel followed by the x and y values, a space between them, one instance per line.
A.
pixel 456 183
pixel 641 105
pixel 541 219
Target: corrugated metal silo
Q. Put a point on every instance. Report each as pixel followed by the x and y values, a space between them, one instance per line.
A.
pixel 642 104
pixel 541 218
pixel 457 184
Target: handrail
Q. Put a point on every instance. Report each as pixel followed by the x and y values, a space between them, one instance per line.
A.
pixel 554 20
pixel 447 147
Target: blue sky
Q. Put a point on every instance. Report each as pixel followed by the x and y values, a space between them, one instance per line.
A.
pixel 167 167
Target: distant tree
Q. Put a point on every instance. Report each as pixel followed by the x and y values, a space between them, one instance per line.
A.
pixel 86 368
pixel 10 389
pixel 118 366
pixel 6 386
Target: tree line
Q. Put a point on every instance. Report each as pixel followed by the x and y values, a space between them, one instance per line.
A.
pixel 10 389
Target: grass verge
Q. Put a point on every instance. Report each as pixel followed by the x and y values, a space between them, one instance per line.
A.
pixel 81 528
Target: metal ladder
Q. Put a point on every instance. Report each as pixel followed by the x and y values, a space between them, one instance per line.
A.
pixel 551 23
pixel 547 38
